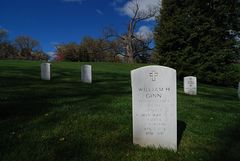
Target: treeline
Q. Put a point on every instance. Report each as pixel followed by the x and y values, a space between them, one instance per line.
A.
pixel 89 49
pixel 23 47
pixel 98 50
pixel 200 38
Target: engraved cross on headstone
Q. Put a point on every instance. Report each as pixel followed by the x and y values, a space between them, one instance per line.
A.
pixel 153 74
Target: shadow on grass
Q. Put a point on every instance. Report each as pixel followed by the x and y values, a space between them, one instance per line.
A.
pixel 26 96
pixel 228 147
pixel 181 126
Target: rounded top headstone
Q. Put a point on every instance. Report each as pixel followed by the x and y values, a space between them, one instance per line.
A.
pixel 152 67
pixel 190 85
pixel 154 105
pixel 86 73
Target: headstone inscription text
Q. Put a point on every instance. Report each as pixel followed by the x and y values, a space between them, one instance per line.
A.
pixel 154 107
pixel 190 85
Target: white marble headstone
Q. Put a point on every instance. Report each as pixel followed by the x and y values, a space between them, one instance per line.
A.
pixel 154 103
pixel 190 85
pixel 239 90
pixel 86 73
pixel 45 71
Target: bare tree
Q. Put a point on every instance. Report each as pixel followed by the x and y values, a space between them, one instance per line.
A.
pixel 132 42
pixel 26 45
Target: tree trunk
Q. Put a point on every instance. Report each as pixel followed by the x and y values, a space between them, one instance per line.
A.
pixel 129 54
pixel 129 49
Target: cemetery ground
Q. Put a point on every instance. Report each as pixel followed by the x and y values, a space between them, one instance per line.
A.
pixel 64 119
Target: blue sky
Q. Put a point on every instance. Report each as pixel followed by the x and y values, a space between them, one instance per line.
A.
pixel 62 21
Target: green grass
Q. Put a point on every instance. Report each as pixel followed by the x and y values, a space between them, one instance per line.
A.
pixel 66 120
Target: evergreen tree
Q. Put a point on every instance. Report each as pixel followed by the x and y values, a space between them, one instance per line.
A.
pixel 196 38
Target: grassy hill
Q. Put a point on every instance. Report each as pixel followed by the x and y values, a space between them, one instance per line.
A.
pixel 66 120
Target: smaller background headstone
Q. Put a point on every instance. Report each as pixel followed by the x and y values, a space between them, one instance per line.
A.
pixel 46 71
pixel 86 73
pixel 190 85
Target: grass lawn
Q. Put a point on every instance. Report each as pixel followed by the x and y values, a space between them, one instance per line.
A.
pixel 66 120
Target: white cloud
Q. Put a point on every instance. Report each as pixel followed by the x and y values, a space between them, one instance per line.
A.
pixel 144 33
pixel 50 53
pixel 144 5
pixel 99 11
pixel 78 1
